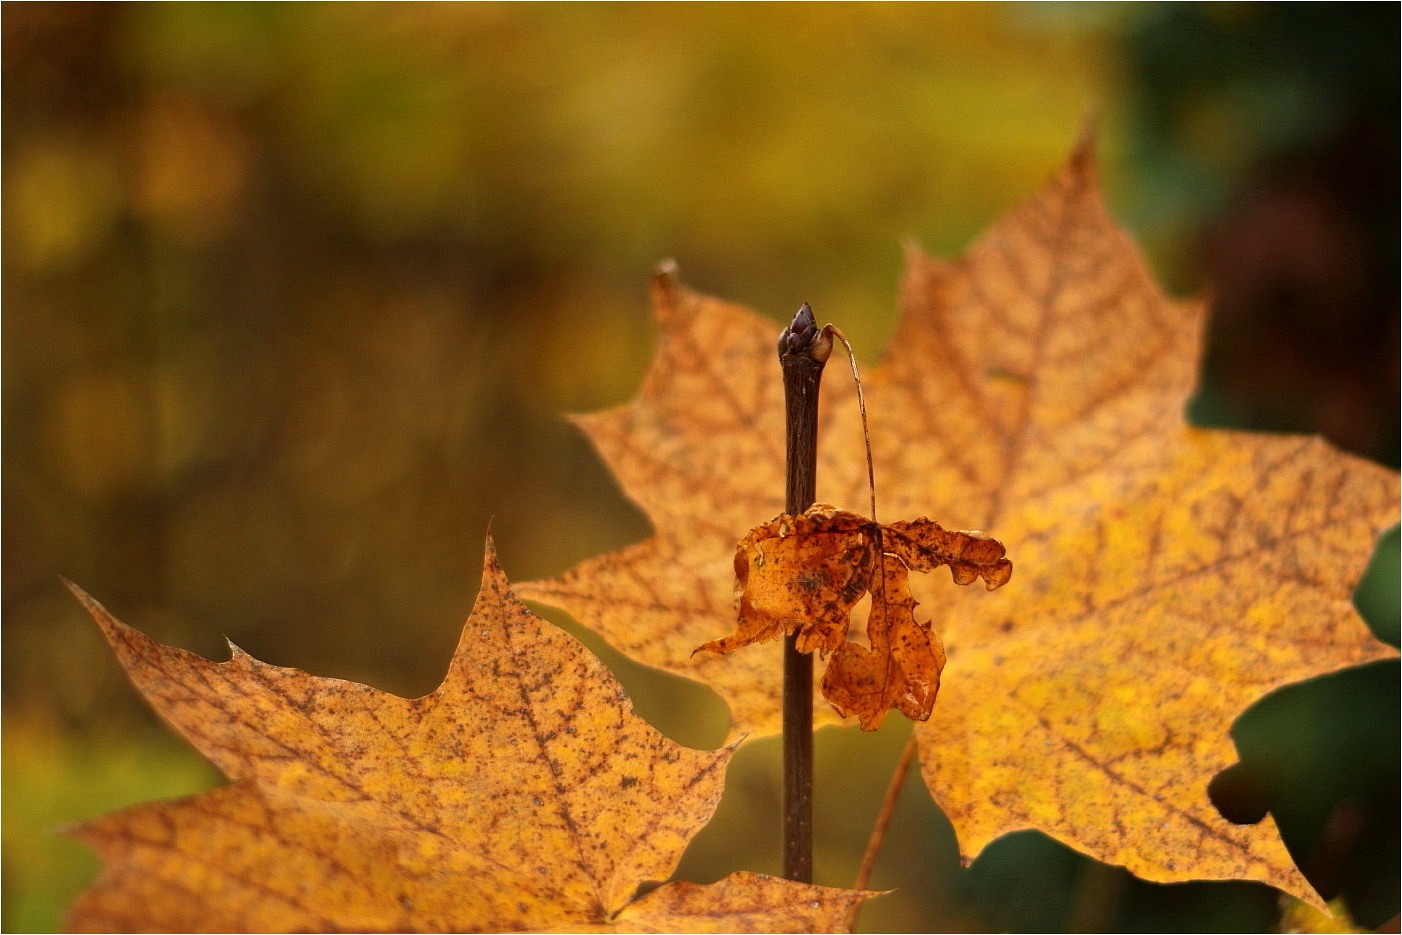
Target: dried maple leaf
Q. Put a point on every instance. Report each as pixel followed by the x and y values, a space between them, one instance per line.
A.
pixel 523 794
pixel 1168 576
pixel 805 573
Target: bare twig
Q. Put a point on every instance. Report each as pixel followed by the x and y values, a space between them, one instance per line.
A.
pixel 803 350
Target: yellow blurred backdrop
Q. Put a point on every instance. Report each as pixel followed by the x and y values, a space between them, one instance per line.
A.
pixel 295 294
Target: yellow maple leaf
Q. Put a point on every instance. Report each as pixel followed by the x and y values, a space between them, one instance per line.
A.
pixel 1168 577
pixel 523 794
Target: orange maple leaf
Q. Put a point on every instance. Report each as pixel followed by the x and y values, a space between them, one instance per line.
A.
pixel 1168 576
pixel 805 573
pixel 523 794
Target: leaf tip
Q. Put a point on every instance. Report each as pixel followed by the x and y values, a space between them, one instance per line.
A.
pixel 237 654
pixel 666 268
pixel 493 577
pixel 83 597
pixel 489 546
pixel 1083 150
pixel 714 646
pixel 999 575
pixel 108 624
pixel 663 287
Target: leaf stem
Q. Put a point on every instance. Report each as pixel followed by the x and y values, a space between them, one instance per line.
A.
pixel 831 329
pixel 883 817
pixel 803 350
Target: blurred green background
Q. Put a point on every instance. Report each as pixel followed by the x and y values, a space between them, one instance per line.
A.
pixel 294 294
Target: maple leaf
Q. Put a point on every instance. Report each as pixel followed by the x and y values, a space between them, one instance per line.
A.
pixel 523 794
pixel 805 573
pixel 1169 576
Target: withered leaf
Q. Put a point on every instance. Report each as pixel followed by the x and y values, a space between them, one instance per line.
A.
pixel 522 794
pixel 801 573
pixel 901 669
pixel 1168 576
pixel 805 573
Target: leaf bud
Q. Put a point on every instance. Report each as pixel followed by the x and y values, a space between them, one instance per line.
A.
pixel 803 338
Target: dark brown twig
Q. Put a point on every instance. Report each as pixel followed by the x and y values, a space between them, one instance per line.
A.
pixel 803 350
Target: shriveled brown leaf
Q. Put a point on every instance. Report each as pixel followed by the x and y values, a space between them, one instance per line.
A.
pixel 901 668
pixel 522 794
pixel 1168 576
pixel 924 545
pixel 800 573
pixel 805 573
